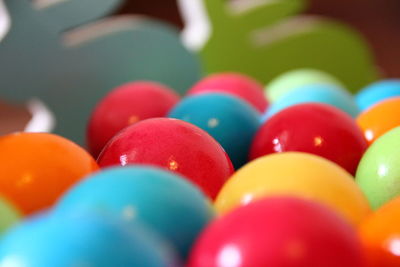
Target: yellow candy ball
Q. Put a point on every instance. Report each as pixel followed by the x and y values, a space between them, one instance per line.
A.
pixel 296 174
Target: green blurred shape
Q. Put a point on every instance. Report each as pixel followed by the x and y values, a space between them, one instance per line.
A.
pixel 267 38
pixel 9 215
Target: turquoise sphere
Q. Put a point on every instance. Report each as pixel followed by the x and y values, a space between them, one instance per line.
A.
pixel 161 200
pixel 377 92
pixel 83 239
pixel 231 121
pixel 327 94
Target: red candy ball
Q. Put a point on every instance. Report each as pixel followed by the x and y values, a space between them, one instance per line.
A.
pixel 313 128
pixel 236 84
pixel 174 145
pixel 126 105
pixel 278 231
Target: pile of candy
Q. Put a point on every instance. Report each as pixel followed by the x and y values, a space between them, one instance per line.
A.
pixel 300 174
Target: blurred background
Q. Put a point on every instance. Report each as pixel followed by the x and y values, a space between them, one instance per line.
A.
pixel 377 20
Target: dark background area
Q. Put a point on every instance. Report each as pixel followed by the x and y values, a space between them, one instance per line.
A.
pixel 377 20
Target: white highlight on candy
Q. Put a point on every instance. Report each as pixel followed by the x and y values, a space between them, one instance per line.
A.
pixel 229 257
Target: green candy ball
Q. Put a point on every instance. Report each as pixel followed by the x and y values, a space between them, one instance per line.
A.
pixel 290 81
pixel 9 215
pixel 378 173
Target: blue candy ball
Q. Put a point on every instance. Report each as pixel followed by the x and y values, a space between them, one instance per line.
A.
pixel 83 240
pixel 327 94
pixel 231 121
pixel 163 201
pixel 377 92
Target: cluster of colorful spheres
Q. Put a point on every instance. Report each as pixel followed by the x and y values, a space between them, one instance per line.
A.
pixel 301 173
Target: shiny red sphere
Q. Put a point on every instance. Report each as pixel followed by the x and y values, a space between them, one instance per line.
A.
pixel 278 231
pixel 124 106
pixel 313 128
pixel 174 145
pixel 236 84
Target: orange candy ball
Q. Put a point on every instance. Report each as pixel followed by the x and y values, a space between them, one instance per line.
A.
pixel 380 234
pixel 37 168
pixel 380 119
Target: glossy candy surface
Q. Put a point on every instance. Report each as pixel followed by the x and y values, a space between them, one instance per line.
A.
pixel 124 106
pixel 83 240
pixel 298 174
pixel 37 168
pixel 314 128
pixel 380 118
pixel 231 121
pixel 174 145
pixel 164 201
pixel 326 94
pixel 377 92
pixel 295 79
pixel 378 174
pixel 279 231
pixel 380 235
pixel 236 84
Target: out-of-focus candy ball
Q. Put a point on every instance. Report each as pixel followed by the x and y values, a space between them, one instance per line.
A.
pixel 326 94
pixel 175 145
pixel 380 235
pixel 124 106
pixel 9 215
pixel 83 240
pixel 380 118
pixel 295 79
pixel 37 168
pixel 236 84
pixel 314 128
pixel 279 231
pixel 377 92
pixel 166 202
pixel 378 174
pixel 298 174
pixel 231 121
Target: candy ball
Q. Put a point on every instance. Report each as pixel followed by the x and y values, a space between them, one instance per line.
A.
pixel 298 174
pixel 380 235
pixel 377 92
pixel 164 201
pixel 83 240
pixel 236 84
pixel 37 168
pixel 126 105
pixel 314 128
pixel 378 173
pixel 174 145
pixel 9 215
pixel 231 121
pixel 326 94
pixel 295 79
pixel 279 231
pixel 380 119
